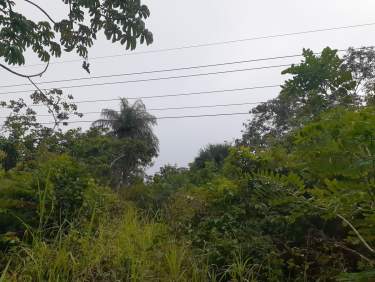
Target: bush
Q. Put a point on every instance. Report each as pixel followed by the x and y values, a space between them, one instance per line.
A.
pixel 61 182
pixel 18 206
pixel 47 193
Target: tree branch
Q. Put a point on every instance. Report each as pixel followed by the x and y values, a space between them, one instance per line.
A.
pixel 48 107
pixel 41 9
pixel 25 75
pixel 370 261
pixel 356 232
pixel 117 159
pixel 347 222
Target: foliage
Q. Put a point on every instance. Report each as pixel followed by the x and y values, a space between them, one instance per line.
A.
pixel 18 200
pixel 300 209
pixel 154 195
pixel 337 156
pixel 318 83
pixel 261 219
pixel 44 194
pixel 120 20
pixel 215 153
pixel 23 135
pixel 124 248
pixel 132 127
pixel 64 183
pixel 113 158
pixel 361 63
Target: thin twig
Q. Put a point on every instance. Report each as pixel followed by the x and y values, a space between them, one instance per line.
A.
pixel 348 223
pixel 117 159
pixel 370 261
pixel 41 9
pixel 45 95
pixel 356 232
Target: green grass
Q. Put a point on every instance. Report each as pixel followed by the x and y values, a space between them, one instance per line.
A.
pixel 127 248
pixel 124 245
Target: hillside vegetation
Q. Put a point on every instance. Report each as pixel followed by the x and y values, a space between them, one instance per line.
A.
pixel 293 199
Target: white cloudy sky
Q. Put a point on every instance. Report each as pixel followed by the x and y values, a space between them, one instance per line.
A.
pixel 177 23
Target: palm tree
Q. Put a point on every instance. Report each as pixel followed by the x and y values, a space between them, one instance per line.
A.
pixel 133 125
pixel 132 121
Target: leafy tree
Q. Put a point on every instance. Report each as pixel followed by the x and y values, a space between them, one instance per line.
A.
pixel 318 83
pixel 155 193
pixel 111 161
pixel 23 134
pixel 120 20
pixel 114 151
pixel 361 63
pixel 215 153
pixel 336 157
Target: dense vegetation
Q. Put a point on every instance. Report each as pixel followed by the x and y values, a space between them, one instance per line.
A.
pixel 292 200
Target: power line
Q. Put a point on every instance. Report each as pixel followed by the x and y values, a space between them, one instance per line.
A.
pixel 218 43
pixel 205 115
pixel 174 108
pixel 161 70
pixel 170 69
pixel 164 70
pixel 163 117
pixel 178 94
pixel 199 116
pixel 198 107
pixel 150 79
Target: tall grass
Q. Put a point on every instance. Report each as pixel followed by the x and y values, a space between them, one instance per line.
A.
pixel 4 273
pixel 126 248
pixel 241 270
pixel 111 242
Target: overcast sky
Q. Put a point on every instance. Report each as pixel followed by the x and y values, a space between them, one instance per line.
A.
pixel 177 23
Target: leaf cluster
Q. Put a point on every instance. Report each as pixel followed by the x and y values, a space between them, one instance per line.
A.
pixel 121 21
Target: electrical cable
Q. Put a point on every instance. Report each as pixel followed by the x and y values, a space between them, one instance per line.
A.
pixel 172 108
pixel 159 118
pixel 217 43
pixel 148 79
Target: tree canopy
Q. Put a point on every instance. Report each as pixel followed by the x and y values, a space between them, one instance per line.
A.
pixel 121 21
pixel 319 83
